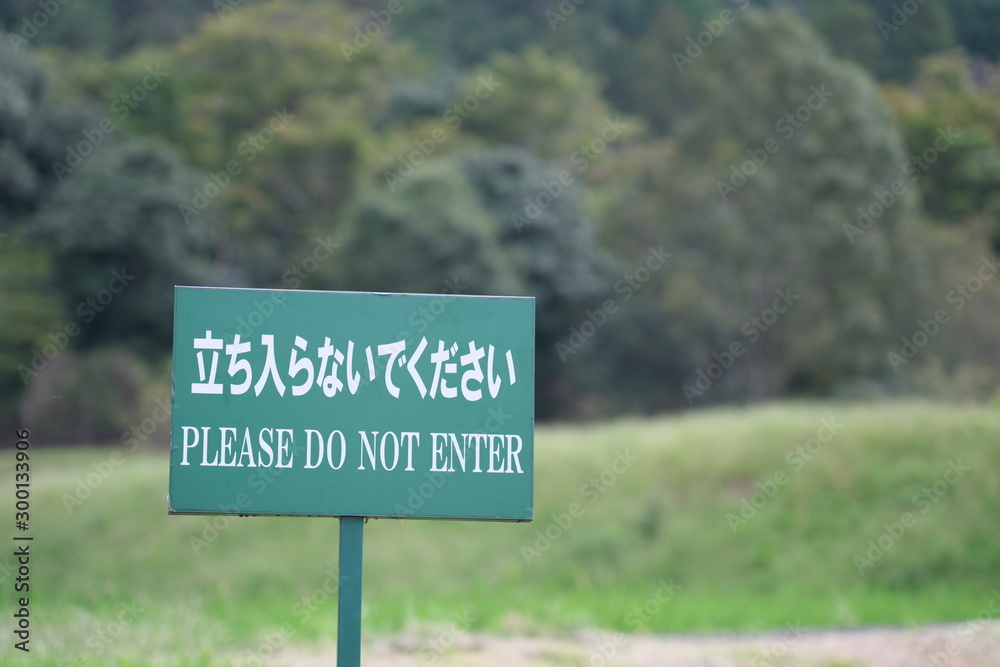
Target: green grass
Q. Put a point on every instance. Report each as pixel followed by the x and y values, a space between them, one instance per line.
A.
pixel 663 519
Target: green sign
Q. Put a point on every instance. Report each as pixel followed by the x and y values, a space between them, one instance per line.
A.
pixel 352 404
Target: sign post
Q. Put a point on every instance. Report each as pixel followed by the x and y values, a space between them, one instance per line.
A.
pixel 349 602
pixel 352 405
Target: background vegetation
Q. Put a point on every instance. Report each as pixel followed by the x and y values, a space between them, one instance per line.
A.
pixel 539 150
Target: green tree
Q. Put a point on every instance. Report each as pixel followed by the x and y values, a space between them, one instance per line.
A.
pixel 546 105
pixel 960 193
pixel 490 222
pixel 911 36
pixel 106 28
pixel 546 233
pixel 601 38
pixel 962 183
pixel 35 135
pixel 90 248
pixel 785 147
pixel 119 244
pixel 431 236
pixel 649 84
pixel 73 26
pixel 977 24
pixel 423 98
pixel 463 34
pixel 23 89
pixel 542 226
pixel 233 74
pixel 279 119
pixel 851 29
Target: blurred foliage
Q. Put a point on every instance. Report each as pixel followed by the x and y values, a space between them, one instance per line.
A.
pixel 966 177
pixel 28 312
pixel 909 34
pixel 431 236
pixel 977 23
pixel 23 89
pixel 554 149
pixel 89 397
pixel 787 145
pixel 105 28
pixel 546 105
pixel 119 244
pixel 460 226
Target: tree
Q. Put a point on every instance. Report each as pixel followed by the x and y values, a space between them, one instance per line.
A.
pixel 232 74
pixel 850 27
pixel 23 89
pixel 539 217
pixel 490 222
pixel 91 244
pixel 35 135
pixel 119 244
pixel 960 196
pixel 462 34
pixel 977 23
pixel 961 183
pixel 424 98
pixel 789 240
pixel 546 105
pixel 651 83
pixel 431 236
pixel 541 225
pixel 279 119
pixel 909 36
pixel 107 28
pixel 68 25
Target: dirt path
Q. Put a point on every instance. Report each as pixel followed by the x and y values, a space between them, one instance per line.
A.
pixel 961 645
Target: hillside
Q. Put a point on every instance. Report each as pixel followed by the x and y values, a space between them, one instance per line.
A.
pixel 853 515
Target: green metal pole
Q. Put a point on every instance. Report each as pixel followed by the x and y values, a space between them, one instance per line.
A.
pixel 352 530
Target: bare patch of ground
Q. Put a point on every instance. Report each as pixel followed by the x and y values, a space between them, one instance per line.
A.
pixel 972 644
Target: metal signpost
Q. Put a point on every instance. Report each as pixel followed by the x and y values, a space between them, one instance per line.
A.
pixel 352 405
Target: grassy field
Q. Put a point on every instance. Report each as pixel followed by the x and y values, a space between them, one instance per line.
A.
pixel 853 515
